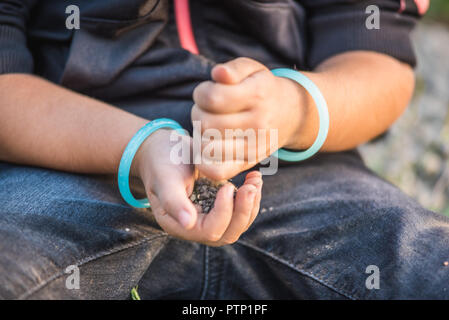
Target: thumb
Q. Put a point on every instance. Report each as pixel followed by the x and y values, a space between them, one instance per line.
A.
pixel 235 71
pixel 173 197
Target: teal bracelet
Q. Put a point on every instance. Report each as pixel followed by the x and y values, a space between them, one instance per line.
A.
pixel 322 112
pixel 130 152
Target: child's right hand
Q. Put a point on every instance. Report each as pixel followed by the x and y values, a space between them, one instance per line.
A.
pixel 169 186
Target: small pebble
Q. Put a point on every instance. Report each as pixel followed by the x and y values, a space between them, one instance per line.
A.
pixel 270 208
pixel 127 230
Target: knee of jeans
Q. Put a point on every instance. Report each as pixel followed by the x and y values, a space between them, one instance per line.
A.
pixel 62 196
pixel 38 187
pixel 25 258
pixel 35 254
pixel 51 219
pixel 35 248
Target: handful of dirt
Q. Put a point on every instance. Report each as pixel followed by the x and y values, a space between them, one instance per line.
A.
pixel 204 193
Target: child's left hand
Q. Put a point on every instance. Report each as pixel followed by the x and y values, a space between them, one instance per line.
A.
pixel 244 94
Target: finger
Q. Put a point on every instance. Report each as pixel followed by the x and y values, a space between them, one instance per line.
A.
pixel 223 159
pixel 242 125
pixel 244 148
pixel 243 205
pixel 156 207
pixel 173 198
pixel 168 223
pixel 253 174
pixel 221 121
pixel 225 170
pixel 256 207
pixel 210 227
pixel 171 226
pixel 215 223
pixel 256 180
pixel 236 70
pixel 222 98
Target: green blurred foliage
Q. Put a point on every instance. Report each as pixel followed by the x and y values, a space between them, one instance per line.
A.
pixel 439 11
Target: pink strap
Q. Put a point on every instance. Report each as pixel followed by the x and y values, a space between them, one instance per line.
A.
pixel 184 25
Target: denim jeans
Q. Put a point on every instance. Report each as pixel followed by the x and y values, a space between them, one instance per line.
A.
pixel 322 223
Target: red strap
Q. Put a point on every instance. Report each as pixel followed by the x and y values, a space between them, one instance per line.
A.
pixel 184 25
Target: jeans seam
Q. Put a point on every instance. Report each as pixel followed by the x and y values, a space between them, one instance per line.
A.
pixel 88 259
pixel 301 271
pixel 206 273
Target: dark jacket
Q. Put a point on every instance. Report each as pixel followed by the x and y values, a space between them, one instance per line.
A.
pixel 127 52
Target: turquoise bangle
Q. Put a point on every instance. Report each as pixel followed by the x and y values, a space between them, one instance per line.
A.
pixel 322 112
pixel 130 152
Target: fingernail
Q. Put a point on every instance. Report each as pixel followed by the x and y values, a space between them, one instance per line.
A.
pixel 252 191
pixel 185 218
pixel 224 67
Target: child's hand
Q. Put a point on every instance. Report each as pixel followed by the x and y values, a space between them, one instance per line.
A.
pixel 169 185
pixel 244 94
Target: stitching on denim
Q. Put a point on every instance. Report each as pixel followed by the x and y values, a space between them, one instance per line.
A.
pixel 303 272
pixel 206 273
pixel 88 259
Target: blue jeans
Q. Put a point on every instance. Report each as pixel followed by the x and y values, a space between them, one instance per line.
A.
pixel 322 223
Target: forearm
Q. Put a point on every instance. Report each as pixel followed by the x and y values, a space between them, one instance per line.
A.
pixel 365 92
pixel 45 125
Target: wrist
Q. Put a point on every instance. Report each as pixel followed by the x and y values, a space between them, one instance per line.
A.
pixel 306 119
pixel 144 154
pixel 145 159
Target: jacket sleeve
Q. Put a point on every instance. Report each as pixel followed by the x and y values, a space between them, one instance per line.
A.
pixel 15 57
pixel 336 26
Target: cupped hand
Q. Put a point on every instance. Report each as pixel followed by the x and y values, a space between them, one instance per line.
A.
pixel 169 185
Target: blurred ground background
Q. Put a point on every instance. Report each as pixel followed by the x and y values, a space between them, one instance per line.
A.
pixel 414 155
